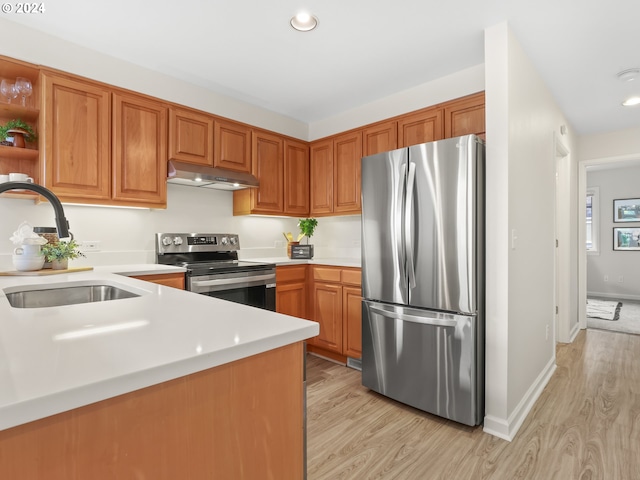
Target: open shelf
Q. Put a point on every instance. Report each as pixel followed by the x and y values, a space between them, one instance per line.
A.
pixel 15 111
pixel 26 195
pixel 18 153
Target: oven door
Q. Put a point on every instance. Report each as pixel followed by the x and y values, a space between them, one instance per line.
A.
pixel 256 287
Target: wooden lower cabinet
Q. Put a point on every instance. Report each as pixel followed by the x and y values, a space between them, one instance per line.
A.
pixel 327 311
pixel 336 305
pixel 328 295
pixel 352 321
pixel 175 280
pixel 242 420
pixel 291 290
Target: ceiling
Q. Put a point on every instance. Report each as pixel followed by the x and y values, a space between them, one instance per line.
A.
pixel 362 50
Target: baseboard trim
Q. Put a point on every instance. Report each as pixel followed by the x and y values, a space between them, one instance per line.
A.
pixel 614 296
pixel 507 429
pixel 575 330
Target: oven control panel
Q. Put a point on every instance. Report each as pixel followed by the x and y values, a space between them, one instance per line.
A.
pixel 204 240
pixel 167 243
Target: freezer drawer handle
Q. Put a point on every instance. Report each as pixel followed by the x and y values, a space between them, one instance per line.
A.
pixel 415 319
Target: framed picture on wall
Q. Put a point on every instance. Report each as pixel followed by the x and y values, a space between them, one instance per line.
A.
pixel 626 238
pixel 626 210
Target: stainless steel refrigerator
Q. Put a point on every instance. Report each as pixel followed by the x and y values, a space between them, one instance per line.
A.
pixel 423 276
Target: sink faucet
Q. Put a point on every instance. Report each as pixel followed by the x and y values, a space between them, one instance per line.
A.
pixel 61 222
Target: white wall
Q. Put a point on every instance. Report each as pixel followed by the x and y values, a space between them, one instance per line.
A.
pixel 609 145
pixel 613 183
pixel 23 43
pixel 522 118
pixel 127 235
pixel 459 84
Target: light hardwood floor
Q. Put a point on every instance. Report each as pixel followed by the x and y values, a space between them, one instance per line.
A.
pixel 585 425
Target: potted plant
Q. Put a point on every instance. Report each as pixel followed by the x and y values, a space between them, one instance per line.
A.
pixel 17 128
pixel 307 226
pixel 59 253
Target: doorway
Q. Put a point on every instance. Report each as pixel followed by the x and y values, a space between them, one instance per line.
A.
pixel 583 168
pixel 563 329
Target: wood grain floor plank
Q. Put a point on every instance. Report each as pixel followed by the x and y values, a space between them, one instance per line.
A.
pixel 585 425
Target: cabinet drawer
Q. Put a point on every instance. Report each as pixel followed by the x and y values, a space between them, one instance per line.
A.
pixel 326 274
pixel 293 273
pixel 352 277
pixel 175 280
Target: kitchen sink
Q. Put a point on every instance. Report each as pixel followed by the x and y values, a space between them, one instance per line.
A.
pixel 34 297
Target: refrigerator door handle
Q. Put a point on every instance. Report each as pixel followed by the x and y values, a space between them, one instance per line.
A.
pixel 408 243
pixel 441 322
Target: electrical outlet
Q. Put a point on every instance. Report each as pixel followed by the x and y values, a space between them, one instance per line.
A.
pixel 620 279
pixel 278 244
pixel 546 332
pixel 90 246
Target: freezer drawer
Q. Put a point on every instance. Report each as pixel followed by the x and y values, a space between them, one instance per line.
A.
pixel 426 359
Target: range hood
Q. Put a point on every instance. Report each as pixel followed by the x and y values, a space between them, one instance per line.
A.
pixel 193 175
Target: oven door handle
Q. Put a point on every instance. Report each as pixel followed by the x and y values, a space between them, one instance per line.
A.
pixel 232 281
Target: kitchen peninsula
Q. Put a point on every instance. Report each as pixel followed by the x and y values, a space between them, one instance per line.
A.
pixel 166 385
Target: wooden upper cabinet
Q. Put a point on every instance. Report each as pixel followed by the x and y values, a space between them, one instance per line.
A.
pixel 321 178
pixel 268 163
pixel 420 127
pixel 296 178
pixel 232 146
pixel 465 116
pixel 190 136
pixel 380 138
pixel 76 137
pixel 139 150
pixel 347 156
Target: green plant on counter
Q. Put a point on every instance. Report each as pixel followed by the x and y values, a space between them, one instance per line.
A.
pixel 61 251
pixel 15 124
pixel 307 226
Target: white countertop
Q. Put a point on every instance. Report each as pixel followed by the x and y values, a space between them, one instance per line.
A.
pixel 335 262
pixel 59 358
pixel 139 269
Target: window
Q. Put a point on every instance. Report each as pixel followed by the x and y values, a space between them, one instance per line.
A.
pixel 592 218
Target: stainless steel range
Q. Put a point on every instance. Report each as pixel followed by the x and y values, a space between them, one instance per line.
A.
pixel 213 268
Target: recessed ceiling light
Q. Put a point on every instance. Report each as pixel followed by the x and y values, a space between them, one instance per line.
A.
pixel 630 102
pixel 628 75
pixel 304 22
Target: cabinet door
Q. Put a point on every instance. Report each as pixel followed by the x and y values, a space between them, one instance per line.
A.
pixel 190 136
pixel 296 178
pixel 268 163
pixel 321 178
pixel 232 146
pixel 77 138
pixel 347 155
pixel 327 309
pixel 352 319
pixel 139 150
pixel 421 127
pixel 465 116
pixel 380 138
pixel 291 299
